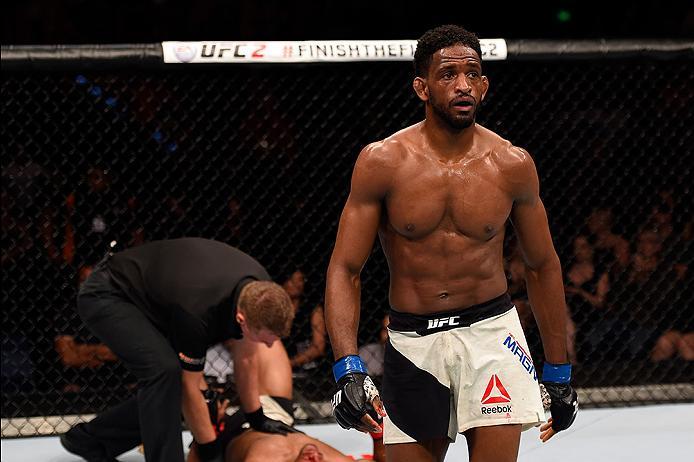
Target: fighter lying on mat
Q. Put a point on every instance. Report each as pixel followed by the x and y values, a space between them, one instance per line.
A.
pixel 243 444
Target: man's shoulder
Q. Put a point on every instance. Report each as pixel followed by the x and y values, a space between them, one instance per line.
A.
pixel 505 154
pixel 391 150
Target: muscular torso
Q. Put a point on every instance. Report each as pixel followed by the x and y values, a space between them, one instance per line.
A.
pixel 443 221
pixel 274 371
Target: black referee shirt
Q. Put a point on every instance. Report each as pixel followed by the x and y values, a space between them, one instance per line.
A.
pixel 189 288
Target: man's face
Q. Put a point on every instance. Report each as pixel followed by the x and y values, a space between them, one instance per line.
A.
pixel 648 244
pixel 295 284
pixel 582 249
pixel 455 85
pixel 310 453
pixel 600 221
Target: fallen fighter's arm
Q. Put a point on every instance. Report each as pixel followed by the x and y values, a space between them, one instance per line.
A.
pixel 246 376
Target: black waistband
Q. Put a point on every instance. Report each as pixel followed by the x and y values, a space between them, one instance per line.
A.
pixel 425 324
pixel 285 403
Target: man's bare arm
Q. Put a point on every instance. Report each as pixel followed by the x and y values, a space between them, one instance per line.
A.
pixel 195 409
pixel 246 373
pixel 355 236
pixel 543 269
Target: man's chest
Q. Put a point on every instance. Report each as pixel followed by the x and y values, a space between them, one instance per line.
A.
pixel 469 200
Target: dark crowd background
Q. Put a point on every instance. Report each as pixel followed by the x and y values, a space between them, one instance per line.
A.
pixel 260 158
pixel 137 21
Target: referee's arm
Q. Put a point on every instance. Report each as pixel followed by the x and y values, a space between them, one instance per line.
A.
pixel 194 408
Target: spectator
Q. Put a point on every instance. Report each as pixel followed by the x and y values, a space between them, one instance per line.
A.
pixel 82 355
pixel 611 249
pixel 674 343
pixel 678 337
pixel 231 231
pixel 586 287
pixel 307 338
pixel 95 216
pixel 373 353
pixel 16 239
pixel 170 219
pixel 681 253
pixel 28 188
pixel 660 221
pixel 639 304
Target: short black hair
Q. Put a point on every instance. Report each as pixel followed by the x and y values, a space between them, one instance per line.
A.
pixel 441 37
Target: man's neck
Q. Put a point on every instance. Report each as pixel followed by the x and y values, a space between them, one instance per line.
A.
pixel 447 142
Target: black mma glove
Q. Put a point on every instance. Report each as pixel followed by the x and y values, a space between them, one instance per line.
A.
pixel 259 421
pixel 211 452
pixel 356 394
pixel 564 405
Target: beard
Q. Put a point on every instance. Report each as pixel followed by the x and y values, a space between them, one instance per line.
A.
pixel 454 119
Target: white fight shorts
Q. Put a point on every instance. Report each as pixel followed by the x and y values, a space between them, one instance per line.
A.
pixel 448 372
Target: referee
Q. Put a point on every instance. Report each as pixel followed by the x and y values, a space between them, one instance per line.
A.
pixel 159 307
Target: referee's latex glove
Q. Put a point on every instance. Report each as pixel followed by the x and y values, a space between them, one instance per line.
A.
pixel 564 401
pixel 357 403
pixel 259 421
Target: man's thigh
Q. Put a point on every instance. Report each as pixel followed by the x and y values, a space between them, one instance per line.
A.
pixel 433 450
pixel 498 443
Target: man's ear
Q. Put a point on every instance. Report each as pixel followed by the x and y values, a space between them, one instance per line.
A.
pixel 420 87
pixel 485 82
pixel 240 316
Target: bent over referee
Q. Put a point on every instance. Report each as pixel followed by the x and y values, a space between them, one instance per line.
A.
pixel 159 307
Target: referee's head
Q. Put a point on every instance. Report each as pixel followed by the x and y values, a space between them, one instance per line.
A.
pixel 265 312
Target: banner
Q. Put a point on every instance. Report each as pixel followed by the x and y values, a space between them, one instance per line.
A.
pixel 307 51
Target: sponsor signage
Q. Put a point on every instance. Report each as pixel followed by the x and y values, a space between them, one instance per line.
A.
pixel 496 399
pixel 216 52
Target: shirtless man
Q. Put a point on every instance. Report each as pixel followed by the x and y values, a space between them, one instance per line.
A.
pixel 242 444
pixel 438 195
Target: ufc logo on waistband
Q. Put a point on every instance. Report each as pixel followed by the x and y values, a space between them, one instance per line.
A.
pixel 450 321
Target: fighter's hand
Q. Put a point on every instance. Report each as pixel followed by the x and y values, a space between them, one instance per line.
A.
pixel 357 403
pixel 564 399
pixel 546 431
pixel 260 422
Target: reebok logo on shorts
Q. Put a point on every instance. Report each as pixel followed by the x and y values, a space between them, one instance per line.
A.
pixel 523 357
pixel 500 395
pixel 494 395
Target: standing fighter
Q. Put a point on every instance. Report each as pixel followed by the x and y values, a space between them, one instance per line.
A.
pixel 159 307
pixel 439 193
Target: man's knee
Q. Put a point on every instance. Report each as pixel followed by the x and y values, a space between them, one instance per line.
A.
pixel 499 443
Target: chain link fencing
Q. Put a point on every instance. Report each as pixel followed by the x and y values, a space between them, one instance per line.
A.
pixel 260 157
